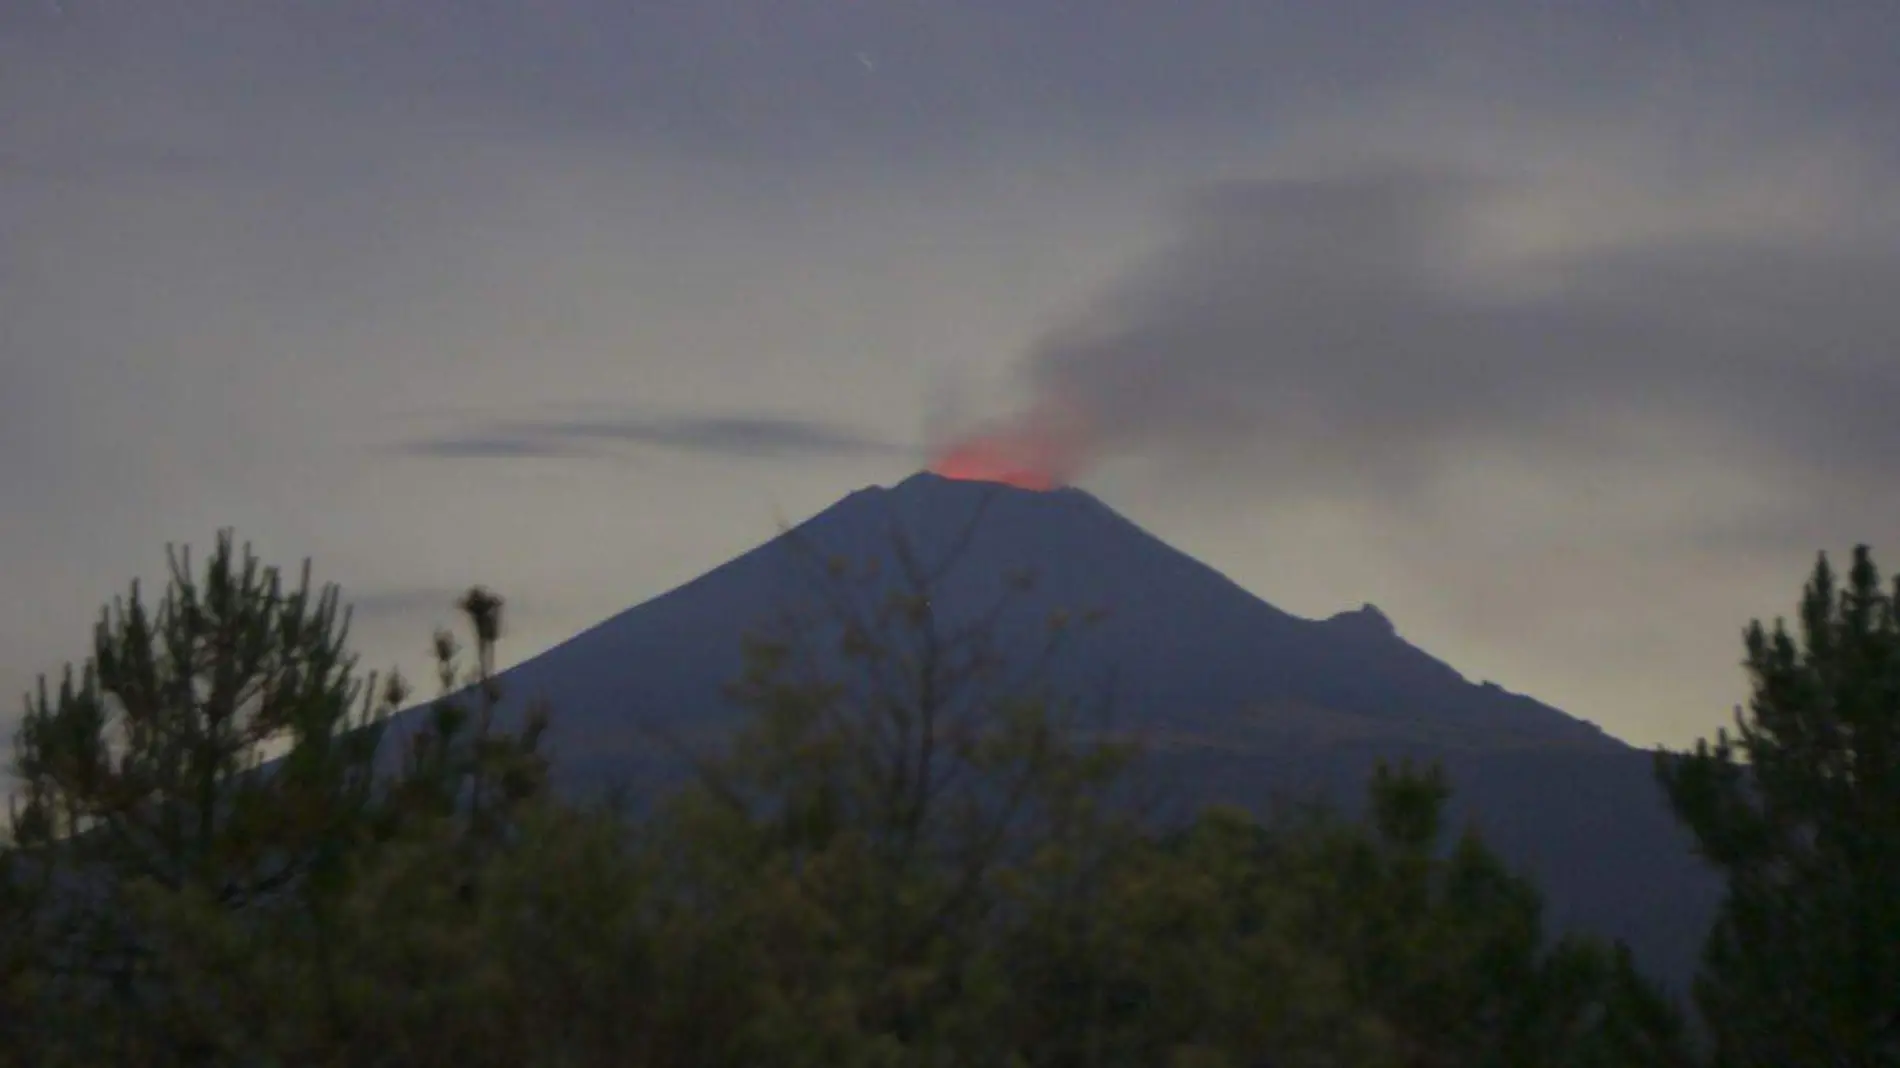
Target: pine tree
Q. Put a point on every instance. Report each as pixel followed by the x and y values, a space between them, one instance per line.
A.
pixel 394 956
pixel 1800 810
pixel 220 745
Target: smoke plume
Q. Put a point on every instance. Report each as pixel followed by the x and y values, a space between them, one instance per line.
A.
pixel 1368 327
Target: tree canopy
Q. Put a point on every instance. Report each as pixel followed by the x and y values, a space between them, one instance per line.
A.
pixel 229 849
pixel 1800 810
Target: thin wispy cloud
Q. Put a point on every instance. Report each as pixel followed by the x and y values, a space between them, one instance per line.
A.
pixel 501 446
pixel 737 436
pixel 379 605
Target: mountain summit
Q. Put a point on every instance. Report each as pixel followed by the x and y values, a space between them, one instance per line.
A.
pixel 1237 700
pixel 1179 647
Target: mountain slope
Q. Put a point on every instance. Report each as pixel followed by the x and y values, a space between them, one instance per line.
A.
pixel 1238 700
pixel 1189 648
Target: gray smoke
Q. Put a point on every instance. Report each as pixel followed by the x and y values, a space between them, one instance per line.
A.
pixel 1361 330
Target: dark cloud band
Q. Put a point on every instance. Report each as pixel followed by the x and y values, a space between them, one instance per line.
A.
pixel 730 435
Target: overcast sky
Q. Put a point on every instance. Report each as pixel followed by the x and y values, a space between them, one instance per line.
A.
pixel 1565 332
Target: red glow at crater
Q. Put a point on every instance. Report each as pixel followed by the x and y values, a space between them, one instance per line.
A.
pixel 1040 452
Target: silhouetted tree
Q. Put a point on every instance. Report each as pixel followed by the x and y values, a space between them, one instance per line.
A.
pixel 1448 949
pixel 393 958
pixel 152 764
pixel 1800 809
pixel 1315 940
pixel 912 853
pixel 900 769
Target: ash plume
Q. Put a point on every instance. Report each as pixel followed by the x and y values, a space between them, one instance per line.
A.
pixel 1366 328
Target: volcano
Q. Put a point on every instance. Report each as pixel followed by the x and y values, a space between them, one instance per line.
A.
pixel 1237 701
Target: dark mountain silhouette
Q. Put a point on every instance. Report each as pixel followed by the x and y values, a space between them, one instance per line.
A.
pixel 1237 700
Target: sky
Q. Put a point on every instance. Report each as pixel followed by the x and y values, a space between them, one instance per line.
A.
pixel 1567 333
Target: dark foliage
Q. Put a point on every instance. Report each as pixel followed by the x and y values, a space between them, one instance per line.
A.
pixel 1800 810
pixel 226 852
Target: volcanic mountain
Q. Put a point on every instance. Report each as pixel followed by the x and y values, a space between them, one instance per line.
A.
pixel 1236 700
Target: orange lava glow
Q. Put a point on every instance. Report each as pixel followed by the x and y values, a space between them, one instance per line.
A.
pixel 1033 454
pixel 990 460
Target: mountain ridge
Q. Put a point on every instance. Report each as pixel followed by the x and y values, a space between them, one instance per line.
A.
pixel 1245 703
pixel 1186 636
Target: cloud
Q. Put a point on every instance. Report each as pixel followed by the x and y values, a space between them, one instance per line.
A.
pixel 435 604
pixel 480 445
pixel 738 435
pixel 1364 329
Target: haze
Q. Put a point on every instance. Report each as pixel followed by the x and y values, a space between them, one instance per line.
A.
pixel 1566 334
